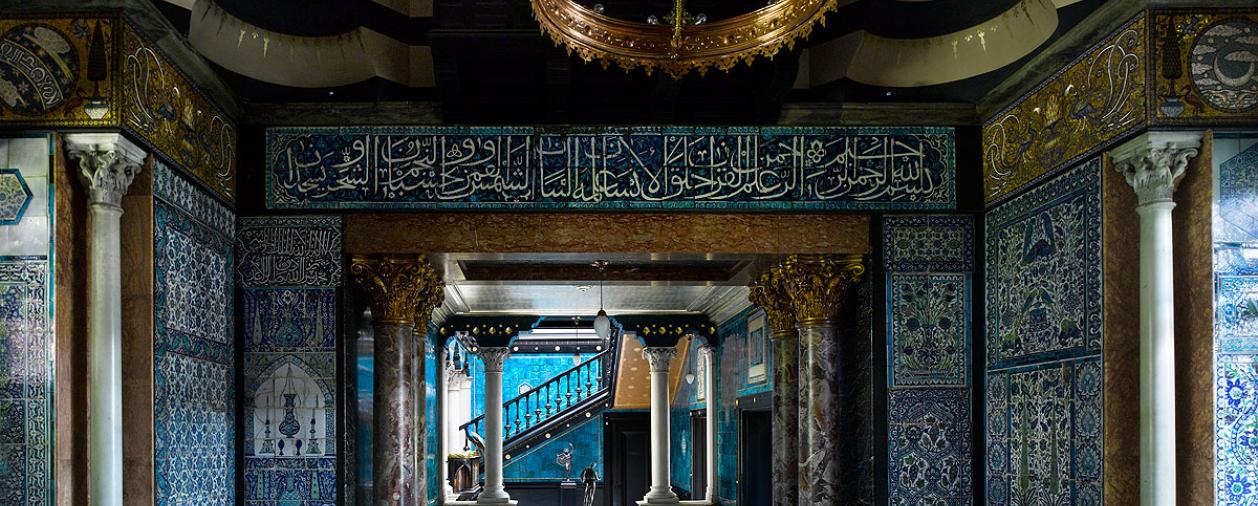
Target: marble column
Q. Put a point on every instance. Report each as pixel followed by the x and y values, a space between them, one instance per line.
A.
pixel 768 293
pixel 661 491
pixel 816 286
pixel 707 353
pixel 443 424
pixel 1153 165
pixel 494 492
pixel 403 291
pixel 108 163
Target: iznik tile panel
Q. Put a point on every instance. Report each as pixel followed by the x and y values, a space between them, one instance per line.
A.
pixel 1236 314
pixel 928 243
pixel 1043 260
pixel 194 345
pixel 289 268
pixel 1045 434
pixel 611 168
pixel 26 388
pixel 1236 217
pixel 1236 429
pixel 929 446
pixel 929 331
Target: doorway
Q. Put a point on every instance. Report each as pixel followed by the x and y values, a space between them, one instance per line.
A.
pixel 698 454
pixel 755 456
pixel 627 445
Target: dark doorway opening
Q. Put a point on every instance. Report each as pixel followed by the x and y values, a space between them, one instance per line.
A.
pixel 627 446
pixel 698 454
pixel 755 455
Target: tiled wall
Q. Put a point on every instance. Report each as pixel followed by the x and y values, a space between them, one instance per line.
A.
pixel 540 463
pixel 929 263
pixel 26 344
pixel 194 346
pixel 1043 337
pixel 685 400
pixel 525 370
pixel 1236 319
pixel 289 273
pixel 432 429
pixel 733 382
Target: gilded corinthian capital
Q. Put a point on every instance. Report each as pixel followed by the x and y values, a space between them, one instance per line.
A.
pixel 400 287
pixel 816 285
pixel 768 293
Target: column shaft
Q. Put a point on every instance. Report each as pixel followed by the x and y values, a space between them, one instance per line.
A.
pixel 1157 356
pixel 818 416
pixel 443 422
pixel 394 453
pixel 786 420
pixel 709 381
pixel 104 350
pixel 494 492
pixel 661 491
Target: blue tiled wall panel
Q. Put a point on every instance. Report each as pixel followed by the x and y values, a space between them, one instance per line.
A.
pixel 432 454
pixel 194 376
pixel 26 331
pixel 732 382
pixel 1044 375
pixel 685 400
pixel 520 372
pixel 540 463
pixel 289 308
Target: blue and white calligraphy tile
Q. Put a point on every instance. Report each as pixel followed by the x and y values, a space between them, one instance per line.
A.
pixel 776 168
pixel 1043 259
pixel 290 251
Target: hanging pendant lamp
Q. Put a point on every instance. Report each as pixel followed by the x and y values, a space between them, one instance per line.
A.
pixel 602 324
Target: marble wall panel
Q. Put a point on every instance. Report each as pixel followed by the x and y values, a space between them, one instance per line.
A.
pixel 194 345
pixel 289 269
pixel 1044 376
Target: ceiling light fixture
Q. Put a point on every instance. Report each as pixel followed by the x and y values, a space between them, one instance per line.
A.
pixel 683 42
pixel 602 324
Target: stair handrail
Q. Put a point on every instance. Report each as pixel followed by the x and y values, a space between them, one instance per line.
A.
pixel 605 372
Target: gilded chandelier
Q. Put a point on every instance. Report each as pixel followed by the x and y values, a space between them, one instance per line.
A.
pixel 682 44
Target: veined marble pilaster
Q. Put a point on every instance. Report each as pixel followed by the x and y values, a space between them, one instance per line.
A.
pixel 107 163
pixel 402 290
pixel 816 286
pixel 1153 165
pixel 768 293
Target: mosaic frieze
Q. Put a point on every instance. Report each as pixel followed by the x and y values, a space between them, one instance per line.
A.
pixel 1044 271
pixel 928 243
pixel 163 107
pixel 611 168
pixel 1205 71
pixel 1044 434
pixel 194 354
pixel 1087 105
pixel 290 251
pixel 26 417
pixel 1236 429
pixel 15 195
pixel 929 446
pixel 58 71
pixel 929 330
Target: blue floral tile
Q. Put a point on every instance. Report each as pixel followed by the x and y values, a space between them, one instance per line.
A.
pixel 928 243
pixel 15 196
pixel 1236 429
pixel 26 347
pixel 929 446
pixel 929 329
pixel 1236 217
pixel 1236 314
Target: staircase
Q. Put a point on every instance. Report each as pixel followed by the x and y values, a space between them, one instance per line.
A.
pixel 553 406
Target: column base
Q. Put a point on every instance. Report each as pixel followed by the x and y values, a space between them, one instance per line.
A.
pixel 500 501
pixel 660 496
pixel 646 502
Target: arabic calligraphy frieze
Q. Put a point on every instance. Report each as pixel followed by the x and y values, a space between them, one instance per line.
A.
pixel 1207 66
pixel 162 107
pixel 611 168
pixel 58 71
pixel 1084 107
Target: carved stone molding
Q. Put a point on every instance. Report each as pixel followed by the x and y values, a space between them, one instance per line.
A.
pixel 659 357
pixel 768 293
pixel 816 285
pixel 494 358
pixel 1154 163
pixel 108 162
pixel 399 287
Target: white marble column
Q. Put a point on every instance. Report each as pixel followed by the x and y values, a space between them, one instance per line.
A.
pixel 1153 165
pixel 494 492
pixel 708 355
pixel 107 164
pixel 443 422
pixel 661 491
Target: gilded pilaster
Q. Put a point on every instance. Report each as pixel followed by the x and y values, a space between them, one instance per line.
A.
pixel 816 286
pixel 402 292
pixel 768 293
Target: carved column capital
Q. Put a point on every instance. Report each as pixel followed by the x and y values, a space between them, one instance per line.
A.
pixel 494 357
pixel 108 162
pixel 768 293
pixel 707 351
pixel 816 285
pixel 659 357
pixel 1154 163
pixel 399 286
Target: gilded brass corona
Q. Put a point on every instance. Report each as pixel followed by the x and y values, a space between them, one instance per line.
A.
pixel 681 47
pixel 817 283
pixel 769 294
